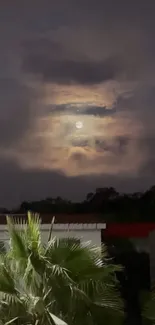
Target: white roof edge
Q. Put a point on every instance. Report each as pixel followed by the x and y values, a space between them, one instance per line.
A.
pixel 67 226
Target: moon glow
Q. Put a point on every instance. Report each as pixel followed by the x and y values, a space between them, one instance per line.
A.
pixel 79 125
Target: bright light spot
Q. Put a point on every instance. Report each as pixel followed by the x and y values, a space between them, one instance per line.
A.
pixel 79 125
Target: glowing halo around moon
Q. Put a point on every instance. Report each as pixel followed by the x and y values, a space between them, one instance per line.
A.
pixel 79 125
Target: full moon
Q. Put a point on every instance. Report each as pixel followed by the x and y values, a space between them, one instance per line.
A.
pixel 79 125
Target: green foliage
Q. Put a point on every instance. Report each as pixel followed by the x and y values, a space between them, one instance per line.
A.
pixel 64 279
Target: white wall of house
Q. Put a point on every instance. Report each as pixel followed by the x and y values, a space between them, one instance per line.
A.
pixel 87 235
pixel 85 232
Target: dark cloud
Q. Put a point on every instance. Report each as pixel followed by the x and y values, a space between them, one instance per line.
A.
pixel 117 145
pixel 127 14
pixel 142 99
pixel 148 168
pixel 83 110
pixel 71 71
pixel 99 111
pixel 15 110
pixel 79 158
pixel 35 185
pixel 80 142
pixel 106 42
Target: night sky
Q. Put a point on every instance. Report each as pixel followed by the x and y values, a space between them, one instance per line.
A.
pixel 77 97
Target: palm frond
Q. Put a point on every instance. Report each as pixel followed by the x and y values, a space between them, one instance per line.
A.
pixel 11 321
pixel 7 283
pixel 67 279
pixel 56 320
pixel 33 231
pixel 17 243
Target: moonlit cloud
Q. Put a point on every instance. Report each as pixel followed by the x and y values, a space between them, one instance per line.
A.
pixel 94 148
pixel 63 65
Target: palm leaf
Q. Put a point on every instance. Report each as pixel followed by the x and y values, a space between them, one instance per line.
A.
pixel 56 320
pixel 33 231
pixel 17 244
pixel 66 279
pixel 11 321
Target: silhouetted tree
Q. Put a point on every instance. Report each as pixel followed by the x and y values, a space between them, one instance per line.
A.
pixel 114 206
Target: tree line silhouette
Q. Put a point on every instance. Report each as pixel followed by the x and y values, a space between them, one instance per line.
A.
pixel 114 206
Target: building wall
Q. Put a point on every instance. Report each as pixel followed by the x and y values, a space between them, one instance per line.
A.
pixel 87 235
pixel 85 232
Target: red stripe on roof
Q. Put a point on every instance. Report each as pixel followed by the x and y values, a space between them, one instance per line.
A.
pixel 128 230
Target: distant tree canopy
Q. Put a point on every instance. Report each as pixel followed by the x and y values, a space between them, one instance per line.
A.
pixel 114 206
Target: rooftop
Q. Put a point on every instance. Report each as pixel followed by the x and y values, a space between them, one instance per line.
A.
pixel 60 218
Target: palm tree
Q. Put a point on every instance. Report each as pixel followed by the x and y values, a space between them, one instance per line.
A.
pixel 64 278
